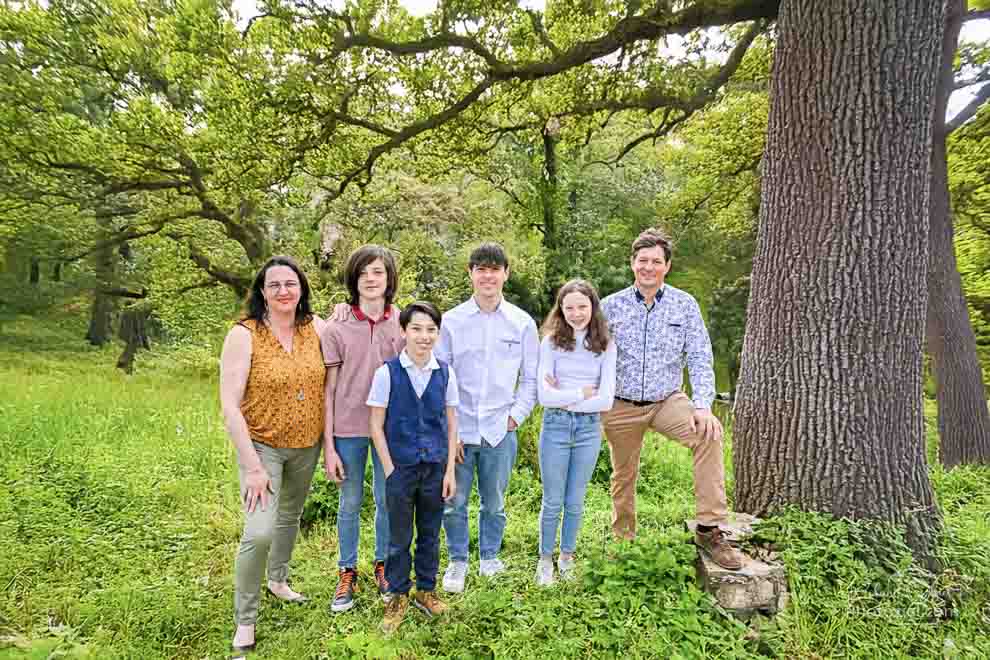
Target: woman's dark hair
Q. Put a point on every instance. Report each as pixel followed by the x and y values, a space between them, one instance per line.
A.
pixel 418 307
pixel 359 260
pixel 560 331
pixel 256 308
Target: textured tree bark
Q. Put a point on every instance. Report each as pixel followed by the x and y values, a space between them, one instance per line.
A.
pixel 829 413
pixel 133 330
pixel 963 417
pixel 104 304
pixel 548 208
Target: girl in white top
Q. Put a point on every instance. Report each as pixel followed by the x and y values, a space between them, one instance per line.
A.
pixel 576 383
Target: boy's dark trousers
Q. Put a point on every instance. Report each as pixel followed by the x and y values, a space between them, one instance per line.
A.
pixel 414 492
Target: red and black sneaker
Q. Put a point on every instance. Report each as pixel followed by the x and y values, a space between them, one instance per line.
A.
pixel 343 599
pixel 380 579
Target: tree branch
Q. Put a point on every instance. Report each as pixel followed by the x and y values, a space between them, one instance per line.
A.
pixel 125 293
pixel 406 134
pixel 970 110
pixel 238 283
pixel 541 32
pixel 704 94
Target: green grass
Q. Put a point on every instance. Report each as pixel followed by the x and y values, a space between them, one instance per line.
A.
pixel 119 521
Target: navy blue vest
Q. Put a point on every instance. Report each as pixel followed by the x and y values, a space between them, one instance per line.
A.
pixel 416 428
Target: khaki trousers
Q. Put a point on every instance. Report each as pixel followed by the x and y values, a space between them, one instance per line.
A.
pixel 270 535
pixel 625 426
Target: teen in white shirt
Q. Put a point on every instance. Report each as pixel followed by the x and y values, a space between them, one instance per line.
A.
pixel 493 348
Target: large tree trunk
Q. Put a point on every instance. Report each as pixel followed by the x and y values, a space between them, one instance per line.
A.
pixel 829 413
pixel 104 304
pixel 963 417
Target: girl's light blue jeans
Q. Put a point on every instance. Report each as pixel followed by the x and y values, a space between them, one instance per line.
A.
pixel 569 447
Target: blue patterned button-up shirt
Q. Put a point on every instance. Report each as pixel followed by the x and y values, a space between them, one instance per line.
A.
pixel 654 345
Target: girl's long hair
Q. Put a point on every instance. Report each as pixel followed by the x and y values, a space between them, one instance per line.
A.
pixel 560 331
pixel 255 307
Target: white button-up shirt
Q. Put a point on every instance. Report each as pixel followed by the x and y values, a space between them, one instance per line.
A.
pixel 381 384
pixel 495 356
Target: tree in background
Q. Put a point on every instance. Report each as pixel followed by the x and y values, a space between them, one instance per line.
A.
pixel 963 415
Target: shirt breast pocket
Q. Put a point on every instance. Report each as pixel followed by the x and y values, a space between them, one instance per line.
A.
pixel 673 332
pixel 509 348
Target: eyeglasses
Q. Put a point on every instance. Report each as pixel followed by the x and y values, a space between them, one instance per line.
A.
pixel 289 285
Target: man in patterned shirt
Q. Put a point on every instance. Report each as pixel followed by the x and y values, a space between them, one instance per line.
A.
pixel 658 331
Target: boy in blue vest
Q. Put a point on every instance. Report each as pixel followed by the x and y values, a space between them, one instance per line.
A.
pixel 413 401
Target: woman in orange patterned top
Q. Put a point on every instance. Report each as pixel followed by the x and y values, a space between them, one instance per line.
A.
pixel 272 390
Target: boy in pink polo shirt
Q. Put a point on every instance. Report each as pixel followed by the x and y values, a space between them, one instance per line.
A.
pixel 353 348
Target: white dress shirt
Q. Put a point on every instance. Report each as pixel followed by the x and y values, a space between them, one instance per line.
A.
pixel 573 371
pixel 491 353
pixel 381 385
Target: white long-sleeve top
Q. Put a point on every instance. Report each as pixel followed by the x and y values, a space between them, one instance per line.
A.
pixel 573 370
pixel 494 355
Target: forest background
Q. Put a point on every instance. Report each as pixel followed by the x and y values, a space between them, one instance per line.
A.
pixel 156 153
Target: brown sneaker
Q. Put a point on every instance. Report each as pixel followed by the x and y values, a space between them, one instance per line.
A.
pixel 428 603
pixel 719 550
pixel 380 579
pixel 395 612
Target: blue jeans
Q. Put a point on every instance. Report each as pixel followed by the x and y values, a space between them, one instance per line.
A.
pixel 415 499
pixel 493 464
pixel 353 454
pixel 569 447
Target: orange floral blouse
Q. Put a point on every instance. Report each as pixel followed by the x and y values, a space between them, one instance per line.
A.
pixel 283 400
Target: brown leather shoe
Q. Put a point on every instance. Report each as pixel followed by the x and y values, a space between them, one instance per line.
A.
pixel 429 604
pixel 719 550
pixel 395 612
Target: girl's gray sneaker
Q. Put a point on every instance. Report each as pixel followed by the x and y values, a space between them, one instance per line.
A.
pixel 544 572
pixel 453 577
pixel 566 568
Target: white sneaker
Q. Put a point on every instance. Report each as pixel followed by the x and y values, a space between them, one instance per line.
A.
pixel 453 577
pixel 566 568
pixel 544 572
pixel 490 567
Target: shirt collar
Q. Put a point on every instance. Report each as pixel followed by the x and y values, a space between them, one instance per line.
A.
pixel 475 309
pixel 407 362
pixel 361 316
pixel 641 298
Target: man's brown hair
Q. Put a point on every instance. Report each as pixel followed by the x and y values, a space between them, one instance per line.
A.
pixel 651 238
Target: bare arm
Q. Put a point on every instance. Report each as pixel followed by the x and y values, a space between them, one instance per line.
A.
pixel 331 461
pixel 235 365
pixel 378 438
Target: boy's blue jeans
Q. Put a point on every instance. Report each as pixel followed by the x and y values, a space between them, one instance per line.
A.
pixel 415 497
pixel 569 447
pixel 494 465
pixel 353 454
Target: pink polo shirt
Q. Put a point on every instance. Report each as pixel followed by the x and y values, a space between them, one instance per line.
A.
pixel 358 346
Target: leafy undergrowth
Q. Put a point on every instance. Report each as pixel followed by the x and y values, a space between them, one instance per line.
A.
pixel 119 522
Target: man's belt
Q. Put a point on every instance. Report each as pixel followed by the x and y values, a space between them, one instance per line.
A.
pixel 638 404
